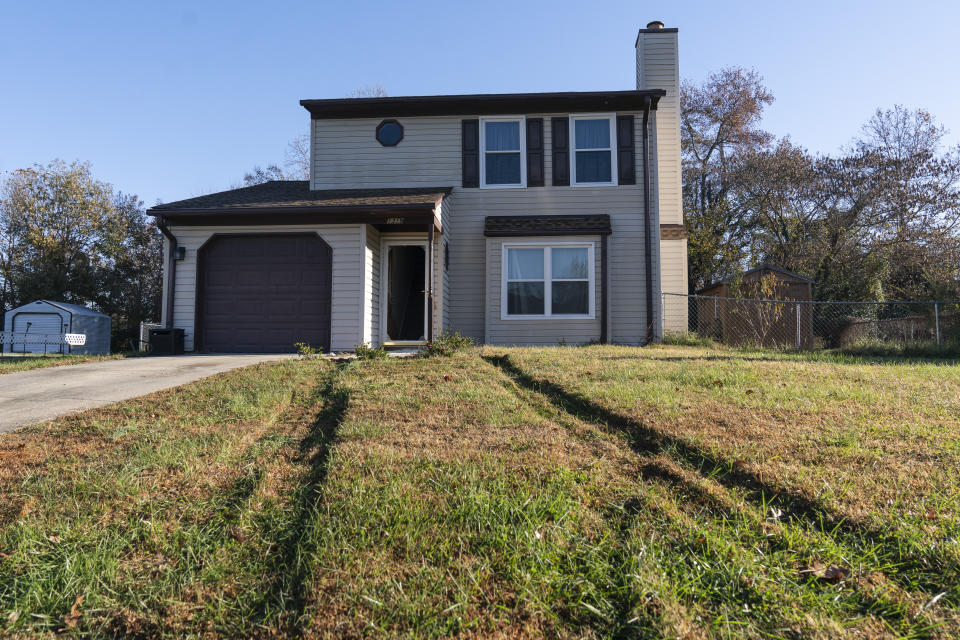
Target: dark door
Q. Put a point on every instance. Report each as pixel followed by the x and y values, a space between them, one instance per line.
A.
pixel 406 302
pixel 264 293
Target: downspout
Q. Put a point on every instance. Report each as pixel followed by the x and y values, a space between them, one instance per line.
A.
pixel 648 232
pixel 430 281
pixel 604 278
pixel 172 279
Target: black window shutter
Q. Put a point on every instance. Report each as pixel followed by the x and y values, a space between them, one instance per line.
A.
pixel 626 151
pixel 470 145
pixel 560 129
pixel 535 152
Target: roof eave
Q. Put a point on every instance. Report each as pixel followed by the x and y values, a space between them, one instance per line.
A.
pixel 481 104
pixel 254 210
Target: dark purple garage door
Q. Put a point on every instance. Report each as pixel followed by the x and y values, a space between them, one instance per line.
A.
pixel 263 293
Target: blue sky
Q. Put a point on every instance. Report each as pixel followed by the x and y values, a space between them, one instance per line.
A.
pixel 174 99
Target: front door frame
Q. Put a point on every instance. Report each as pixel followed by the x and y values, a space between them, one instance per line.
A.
pixel 385 245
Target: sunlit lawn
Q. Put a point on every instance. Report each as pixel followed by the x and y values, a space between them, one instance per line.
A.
pixel 559 492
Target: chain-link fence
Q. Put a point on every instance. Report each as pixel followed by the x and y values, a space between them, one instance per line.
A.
pixel 805 324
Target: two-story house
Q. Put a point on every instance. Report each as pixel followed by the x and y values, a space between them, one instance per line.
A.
pixel 537 218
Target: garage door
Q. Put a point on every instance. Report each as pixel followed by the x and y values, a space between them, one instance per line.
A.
pixel 263 293
pixel 45 324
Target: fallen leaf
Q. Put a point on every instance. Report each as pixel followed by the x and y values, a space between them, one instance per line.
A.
pixel 931 514
pixel 719 383
pixel 446 378
pixel 13 617
pixel 749 391
pixel 54 539
pixel 828 573
pixel 72 618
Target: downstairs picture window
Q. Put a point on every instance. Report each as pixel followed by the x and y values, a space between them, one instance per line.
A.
pixel 547 280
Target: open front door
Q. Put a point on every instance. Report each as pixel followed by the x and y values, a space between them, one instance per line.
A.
pixel 404 297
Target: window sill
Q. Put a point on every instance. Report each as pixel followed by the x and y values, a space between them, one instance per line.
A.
pixel 554 317
pixel 503 186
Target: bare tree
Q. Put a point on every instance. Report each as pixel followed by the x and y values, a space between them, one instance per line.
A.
pixel 368 91
pixel 298 158
pixel 296 165
pixel 720 121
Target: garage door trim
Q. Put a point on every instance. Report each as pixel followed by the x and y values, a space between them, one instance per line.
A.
pixel 199 280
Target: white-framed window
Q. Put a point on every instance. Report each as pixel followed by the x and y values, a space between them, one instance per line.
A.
pixel 593 158
pixel 503 152
pixel 547 280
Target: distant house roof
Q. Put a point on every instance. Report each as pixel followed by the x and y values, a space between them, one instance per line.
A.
pixel 546 225
pixel 278 194
pixel 482 104
pixel 756 269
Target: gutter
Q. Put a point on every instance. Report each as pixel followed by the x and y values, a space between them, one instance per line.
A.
pixel 172 280
pixel 648 232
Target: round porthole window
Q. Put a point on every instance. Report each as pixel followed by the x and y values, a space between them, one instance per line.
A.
pixel 389 133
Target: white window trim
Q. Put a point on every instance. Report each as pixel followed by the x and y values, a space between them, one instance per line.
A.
pixel 548 280
pixel 612 117
pixel 522 120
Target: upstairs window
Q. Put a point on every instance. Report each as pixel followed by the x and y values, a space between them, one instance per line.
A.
pixel 544 280
pixel 593 161
pixel 502 149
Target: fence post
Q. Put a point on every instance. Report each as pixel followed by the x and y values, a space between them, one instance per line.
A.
pixel 663 312
pixel 936 315
pixel 799 339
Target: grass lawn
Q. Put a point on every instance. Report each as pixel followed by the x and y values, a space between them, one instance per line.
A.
pixel 12 364
pixel 560 492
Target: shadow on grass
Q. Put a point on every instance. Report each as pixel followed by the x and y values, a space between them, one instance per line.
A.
pixel 925 569
pixel 832 357
pixel 290 568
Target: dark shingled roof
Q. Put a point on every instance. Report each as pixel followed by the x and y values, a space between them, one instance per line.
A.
pixel 293 194
pixel 546 225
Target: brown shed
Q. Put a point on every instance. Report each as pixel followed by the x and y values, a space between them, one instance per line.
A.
pixel 724 315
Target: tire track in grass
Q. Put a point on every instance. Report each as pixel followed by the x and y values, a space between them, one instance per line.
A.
pixel 813 524
pixel 291 565
pixel 131 509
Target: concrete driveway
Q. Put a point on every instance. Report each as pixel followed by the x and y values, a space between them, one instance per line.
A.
pixel 42 394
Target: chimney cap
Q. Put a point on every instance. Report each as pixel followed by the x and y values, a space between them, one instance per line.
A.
pixel 656 24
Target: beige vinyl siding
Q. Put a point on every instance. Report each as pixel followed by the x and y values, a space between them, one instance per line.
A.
pixel 348 275
pixel 658 68
pixel 445 240
pixel 371 296
pixel 543 330
pixel 674 280
pixel 165 283
pixel 346 155
pixel 468 292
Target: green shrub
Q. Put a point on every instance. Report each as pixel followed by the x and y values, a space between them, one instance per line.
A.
pixel 447 344
pixel 687 339
pixel 366 352
pixel 306 351
pixel 879 348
